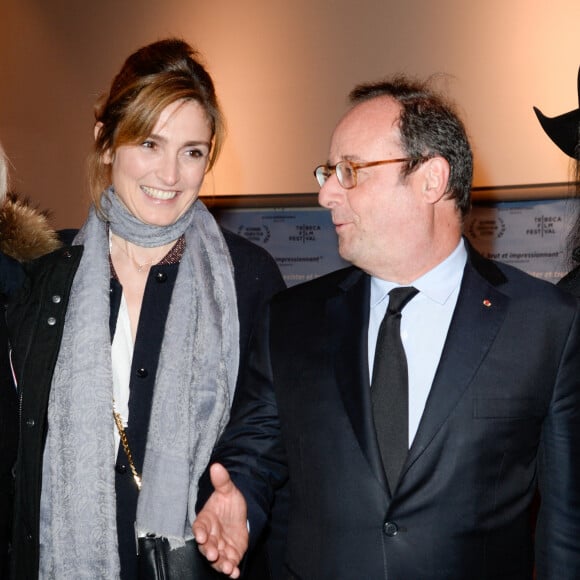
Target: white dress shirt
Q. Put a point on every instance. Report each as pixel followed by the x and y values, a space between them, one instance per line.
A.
pixel 424 325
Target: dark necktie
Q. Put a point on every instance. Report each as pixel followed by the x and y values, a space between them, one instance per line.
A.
pixel 390 389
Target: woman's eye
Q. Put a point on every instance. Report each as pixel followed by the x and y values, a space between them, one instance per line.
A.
pixel 196 153
pixel 148 144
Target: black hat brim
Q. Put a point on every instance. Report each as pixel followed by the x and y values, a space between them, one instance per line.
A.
pixel 563 130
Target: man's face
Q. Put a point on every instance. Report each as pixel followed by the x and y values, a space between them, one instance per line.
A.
pixel 379 222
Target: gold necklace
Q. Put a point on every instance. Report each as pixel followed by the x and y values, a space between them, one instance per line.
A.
pixel 140 267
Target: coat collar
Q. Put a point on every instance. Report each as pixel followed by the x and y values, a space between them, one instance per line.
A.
pixel 25 233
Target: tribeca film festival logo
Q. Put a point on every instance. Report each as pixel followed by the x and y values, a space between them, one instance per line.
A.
pixel 256 234
pixel 487 228
pixel 544 225
pixel 304 233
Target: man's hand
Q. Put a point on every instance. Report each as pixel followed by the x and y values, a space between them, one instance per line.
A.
pixel 221 529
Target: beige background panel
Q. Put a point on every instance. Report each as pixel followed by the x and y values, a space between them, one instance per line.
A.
pixel 283 71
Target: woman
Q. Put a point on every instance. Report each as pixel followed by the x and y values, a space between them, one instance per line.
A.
pixel 564 130
pixel 24 235
pixel 137 330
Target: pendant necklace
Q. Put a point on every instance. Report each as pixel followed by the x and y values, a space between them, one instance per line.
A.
pixel 140 267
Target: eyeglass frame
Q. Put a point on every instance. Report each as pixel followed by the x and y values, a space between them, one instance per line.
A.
pixel 356 166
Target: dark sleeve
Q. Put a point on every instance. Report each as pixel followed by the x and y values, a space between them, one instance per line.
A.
pixel 558 527
pixel 257 279
pixel 251 448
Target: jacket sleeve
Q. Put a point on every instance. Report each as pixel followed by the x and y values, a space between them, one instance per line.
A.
pixel 558 526
pixel 251 447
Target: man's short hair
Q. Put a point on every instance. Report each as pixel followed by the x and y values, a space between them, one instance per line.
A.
pixel 429 125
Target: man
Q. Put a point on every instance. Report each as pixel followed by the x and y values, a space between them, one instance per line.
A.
pixel 493 365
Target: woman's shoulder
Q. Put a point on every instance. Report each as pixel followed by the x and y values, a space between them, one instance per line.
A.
pixel 243 250
pixel 241 245
pixel 252 263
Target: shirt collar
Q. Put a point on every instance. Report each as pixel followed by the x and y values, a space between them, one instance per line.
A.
pixel 437 284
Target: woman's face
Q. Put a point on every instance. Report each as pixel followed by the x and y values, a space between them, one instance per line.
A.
pixel 159 179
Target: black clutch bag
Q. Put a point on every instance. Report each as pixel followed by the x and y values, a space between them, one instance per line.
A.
pixel 156 561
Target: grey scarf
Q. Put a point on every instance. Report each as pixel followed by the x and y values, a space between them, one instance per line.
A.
pixel 194 385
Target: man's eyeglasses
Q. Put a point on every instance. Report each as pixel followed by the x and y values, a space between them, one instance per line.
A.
pixel 346 171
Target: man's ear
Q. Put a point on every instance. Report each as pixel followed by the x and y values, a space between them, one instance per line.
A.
pixel 436 178
pixel 108 156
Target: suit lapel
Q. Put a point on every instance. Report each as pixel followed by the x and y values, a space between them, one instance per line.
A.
pixel 478 316
pixel 347 316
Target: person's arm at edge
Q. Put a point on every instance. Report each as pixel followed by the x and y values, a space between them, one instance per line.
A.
pixel 558 528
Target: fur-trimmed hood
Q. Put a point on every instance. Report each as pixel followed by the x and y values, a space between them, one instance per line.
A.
pixel 25 233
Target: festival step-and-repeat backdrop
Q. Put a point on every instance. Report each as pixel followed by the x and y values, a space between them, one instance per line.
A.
pixel 530 235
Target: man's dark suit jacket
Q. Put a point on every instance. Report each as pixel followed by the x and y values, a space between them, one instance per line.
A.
pixel 503 415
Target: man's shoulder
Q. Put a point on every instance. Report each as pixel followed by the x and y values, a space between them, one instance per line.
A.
pixel 520 285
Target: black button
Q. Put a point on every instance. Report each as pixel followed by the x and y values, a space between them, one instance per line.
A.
pixel 30 422
pixel 29 537
pixel 161 277
pixel 391 529
pixel 142 373
pixel 119 468
pixel 67 254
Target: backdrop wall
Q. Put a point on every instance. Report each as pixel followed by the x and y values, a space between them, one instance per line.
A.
pixel 283 71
